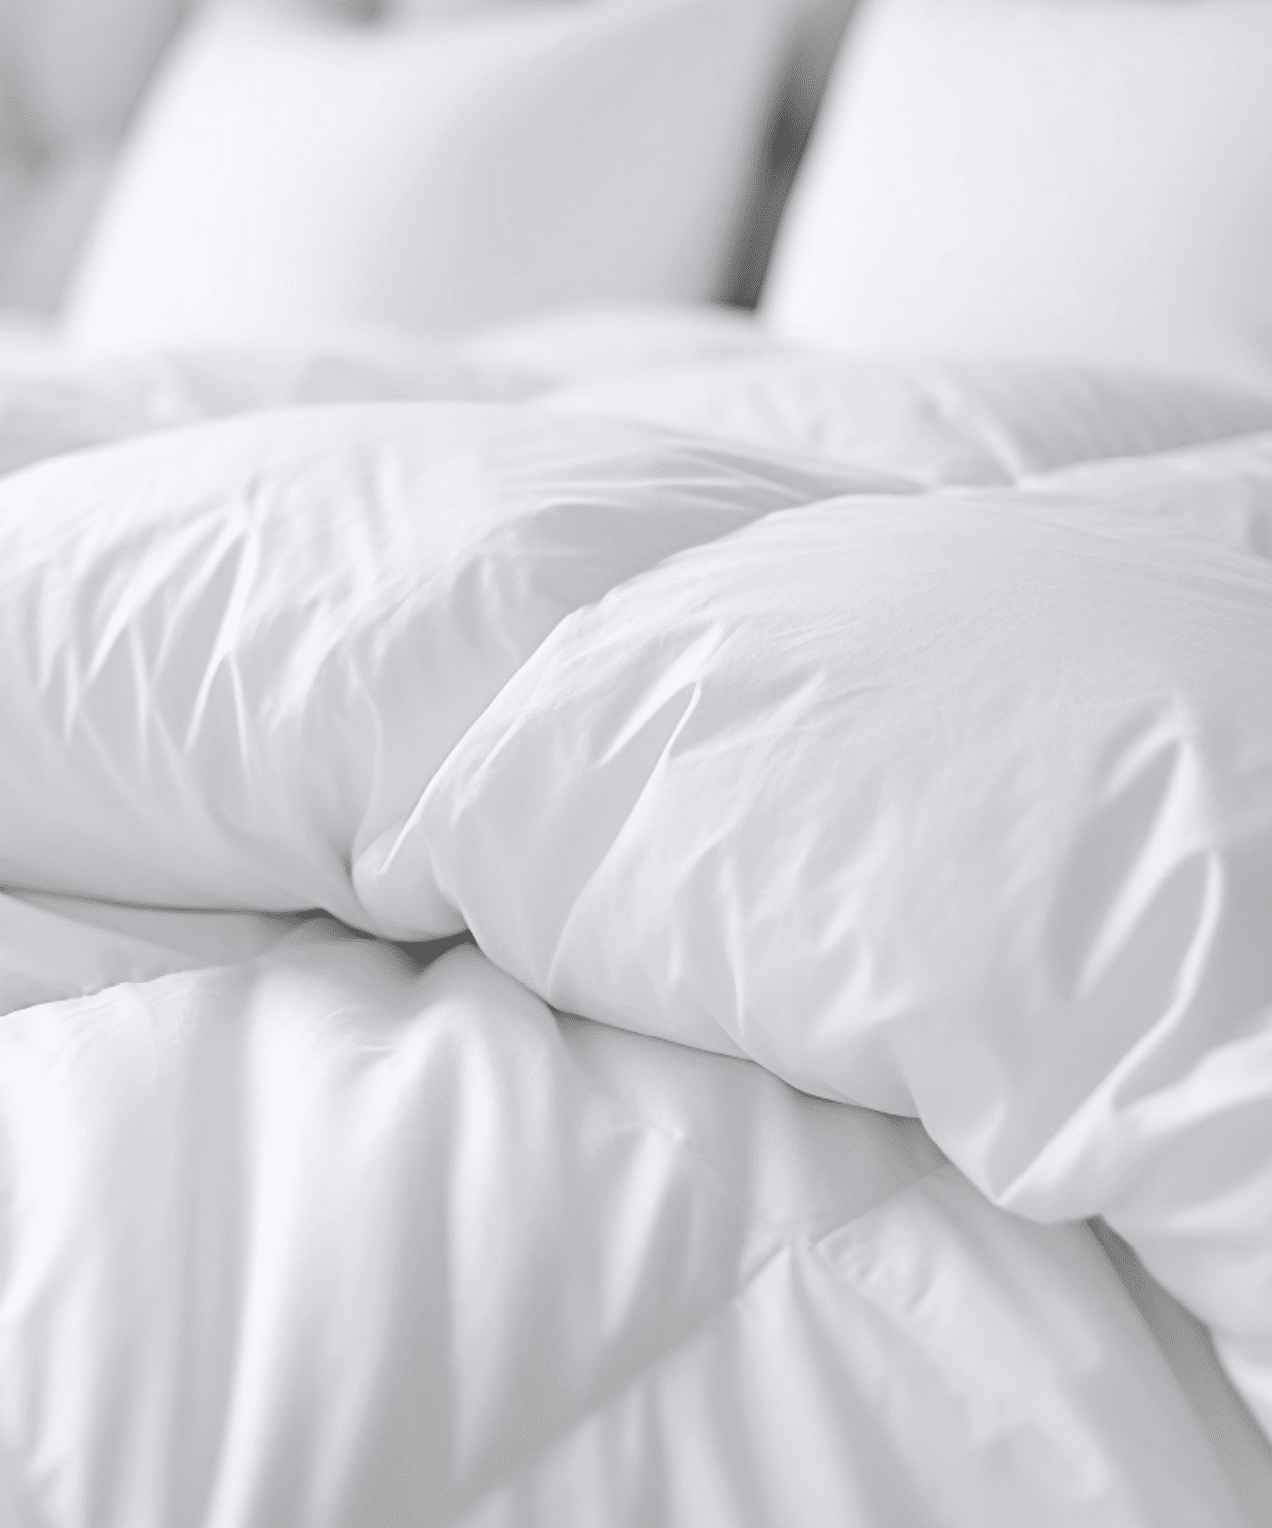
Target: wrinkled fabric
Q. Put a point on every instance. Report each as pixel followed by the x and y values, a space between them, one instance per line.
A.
pixel 234 653
pixel 324 1238
pixel 993 773
pixel 732 698
pixel 59 400
pixel 939 422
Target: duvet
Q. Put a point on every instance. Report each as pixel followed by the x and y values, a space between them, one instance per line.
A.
pixel 616 923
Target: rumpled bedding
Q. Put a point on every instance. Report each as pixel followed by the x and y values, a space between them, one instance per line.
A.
pixel 605 923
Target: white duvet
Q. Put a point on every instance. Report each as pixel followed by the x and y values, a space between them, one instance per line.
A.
pixel 901 728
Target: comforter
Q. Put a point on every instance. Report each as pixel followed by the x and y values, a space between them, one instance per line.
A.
pixel 617 923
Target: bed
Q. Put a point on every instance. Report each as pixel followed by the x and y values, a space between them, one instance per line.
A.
pixel 620 907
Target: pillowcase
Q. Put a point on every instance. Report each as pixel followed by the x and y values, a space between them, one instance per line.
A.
pixel 287 173
pixel 938 423
pixel 1088 180
pixel 957 806
pixel 232 655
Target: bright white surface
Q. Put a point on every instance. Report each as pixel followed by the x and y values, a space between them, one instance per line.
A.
pixel 1221 492
pixel 73 73
pixel 54 400
pixel 936 422
pixel 569 345
pixel 711 371
pixel 263 1189
pixel 993 773
pixel 320 1238
pixel 1089 180
pixel 234 653
pixel 53 947
pixel 285 173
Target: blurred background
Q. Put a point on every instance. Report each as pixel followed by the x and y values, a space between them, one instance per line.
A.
pixel 76 74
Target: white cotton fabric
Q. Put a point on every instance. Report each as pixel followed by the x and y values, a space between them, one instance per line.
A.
pixel 286 172
pixel 1085 181
pixel 710 371
pixel 53 947
pixel 54 399
pixel 321 1237
pixel 234 654
pixel 1222 493
pixel 572 345
pixel 74 72
pixel 993 774
pixel 915 797
pixel 938 421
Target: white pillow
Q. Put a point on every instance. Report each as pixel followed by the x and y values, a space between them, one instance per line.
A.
pixel 231 656
pixel 287 173
pixel 1082 179
pixel 957 806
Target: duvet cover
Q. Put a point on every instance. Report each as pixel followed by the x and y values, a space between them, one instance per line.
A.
pixel 618 923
